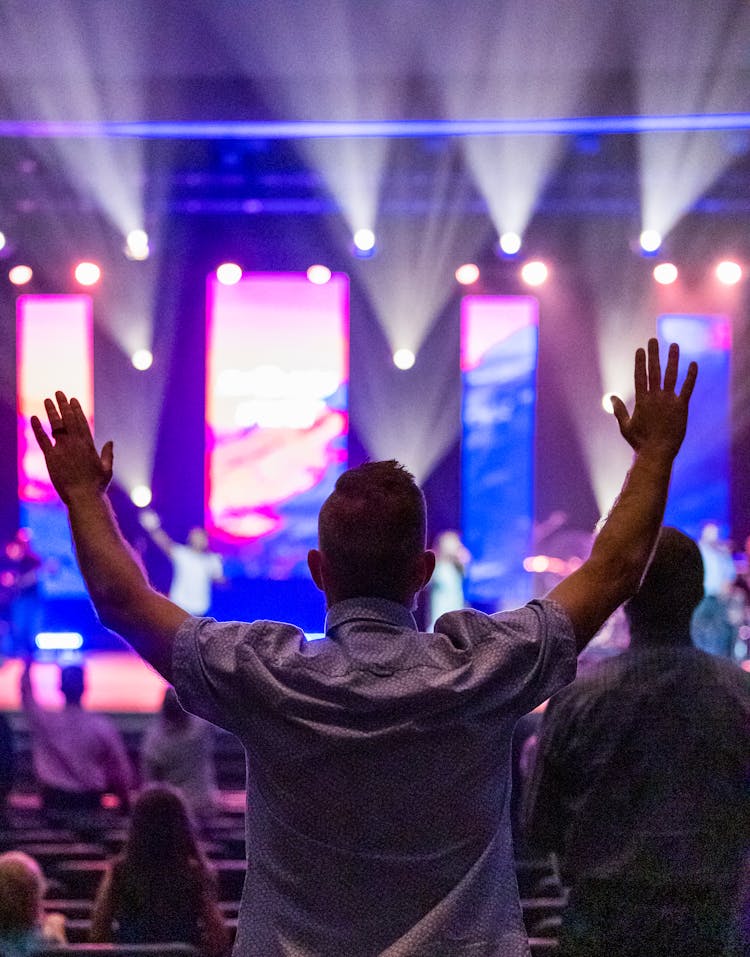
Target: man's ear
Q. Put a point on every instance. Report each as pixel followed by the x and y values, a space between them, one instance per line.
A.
pixel 315 564
pixel 428 567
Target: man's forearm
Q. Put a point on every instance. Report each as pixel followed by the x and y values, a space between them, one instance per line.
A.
pixel 113 576
pixel 627 539
pixel 622 549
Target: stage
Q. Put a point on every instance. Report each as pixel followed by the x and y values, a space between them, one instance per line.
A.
pixel 116 682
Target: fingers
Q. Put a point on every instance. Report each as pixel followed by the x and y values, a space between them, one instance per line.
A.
pixel 620 410
pixel 55 420
pixel 670 374
pixel 41 436
pixel 641 382
pixel 81 422
pixel 654 366
pixel 688 385
pixel 70 419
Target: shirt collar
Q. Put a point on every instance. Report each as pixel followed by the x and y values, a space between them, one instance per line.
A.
pixel 369 609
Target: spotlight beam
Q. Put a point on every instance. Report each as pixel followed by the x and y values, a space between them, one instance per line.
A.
pixel 306 129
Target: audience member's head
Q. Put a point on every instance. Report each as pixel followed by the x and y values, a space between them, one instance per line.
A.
pixel 670 592
pixel 172 712
pixel 371 535
pixel 72 683
pixel 160 831
pixel 22 887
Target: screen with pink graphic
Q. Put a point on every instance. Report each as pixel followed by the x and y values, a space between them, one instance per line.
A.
pixel 276 415
pixel 54 343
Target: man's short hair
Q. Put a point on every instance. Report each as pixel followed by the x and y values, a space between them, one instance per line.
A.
pixel 670 592
pixel 371 529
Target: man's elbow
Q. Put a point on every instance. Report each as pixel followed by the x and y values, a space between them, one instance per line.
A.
pixel 115 605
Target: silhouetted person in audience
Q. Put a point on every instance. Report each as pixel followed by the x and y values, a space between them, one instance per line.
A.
pixel 641 780
pixel 160 888
pixel 378 757
pixel 24 927
pixel 7 766
pixel 78 756
pixel 178 749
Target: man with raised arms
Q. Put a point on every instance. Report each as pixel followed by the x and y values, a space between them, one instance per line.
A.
pixel 378 757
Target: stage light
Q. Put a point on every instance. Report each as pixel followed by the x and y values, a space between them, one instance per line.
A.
pixel 650 240
pixel 467 274
pixel 319 275
pixel 607 403
pixel 404 358
pixel 364 240
pixel 229 274
pixel 142 359
pixel 534 273
pixel 141 496
pixel 728 272
pixel 510 243
pixel 136 245
pixel 20 275
pixel 87 274
pixel 2 240
pixel 665 273
pixel 58 641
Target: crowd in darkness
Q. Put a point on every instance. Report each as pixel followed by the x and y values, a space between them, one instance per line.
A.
pixel 379 759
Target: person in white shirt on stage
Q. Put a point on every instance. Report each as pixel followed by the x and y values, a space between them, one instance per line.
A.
pixel 194 567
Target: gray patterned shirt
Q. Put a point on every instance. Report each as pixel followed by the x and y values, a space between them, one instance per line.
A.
pixel 378 775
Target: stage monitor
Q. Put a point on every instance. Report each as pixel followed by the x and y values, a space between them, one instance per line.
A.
pixel 276 416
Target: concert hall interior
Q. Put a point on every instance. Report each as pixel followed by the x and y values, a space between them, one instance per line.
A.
pixel 263 242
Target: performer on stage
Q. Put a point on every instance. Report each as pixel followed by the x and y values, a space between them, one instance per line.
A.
pixel 194 567
pixel 446 589
pixel 712 626
pixel 20 581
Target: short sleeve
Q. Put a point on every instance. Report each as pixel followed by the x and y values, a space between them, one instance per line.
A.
pixel 520 657
pixel 205 672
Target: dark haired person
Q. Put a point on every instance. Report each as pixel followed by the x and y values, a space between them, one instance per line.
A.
pixel 378 757
pixel 78 756
pixel 178 749
pixel 641 780
pixel 160 888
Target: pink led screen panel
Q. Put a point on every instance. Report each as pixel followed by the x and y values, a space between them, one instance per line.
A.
pixel 54 337
pixel 276 415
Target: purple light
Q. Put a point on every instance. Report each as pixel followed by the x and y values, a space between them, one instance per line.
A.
pixel 305 129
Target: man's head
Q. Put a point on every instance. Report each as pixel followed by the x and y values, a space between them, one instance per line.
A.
pixel 22 888
pixel 371 536
pixel 72 683
pixel 197 539
pixel 660 612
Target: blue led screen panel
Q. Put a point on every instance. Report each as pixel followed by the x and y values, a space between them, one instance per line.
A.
pixel 699 491
pixel 499 339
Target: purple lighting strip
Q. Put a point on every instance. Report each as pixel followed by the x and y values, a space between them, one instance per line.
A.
pixel 306 129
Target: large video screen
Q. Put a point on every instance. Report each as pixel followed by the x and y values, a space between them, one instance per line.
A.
pixel 699 491
pixel 498 368
pixel 276 415
pixel 54 343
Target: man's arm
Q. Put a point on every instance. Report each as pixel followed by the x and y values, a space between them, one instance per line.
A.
pixel 622 550
pixel 151 522
pixel 123 598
